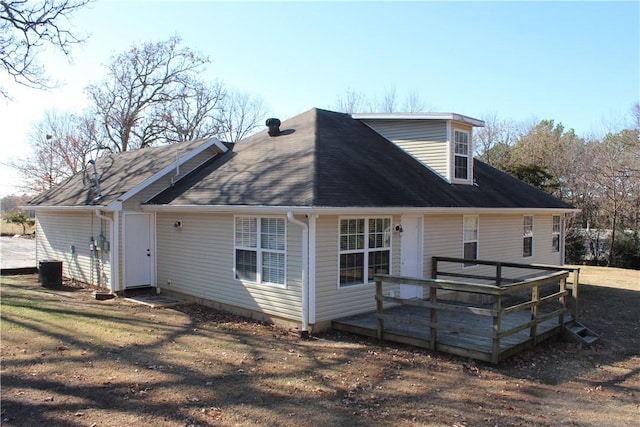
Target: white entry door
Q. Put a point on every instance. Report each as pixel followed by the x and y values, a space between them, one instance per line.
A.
pixel 137 250
pixel 411 254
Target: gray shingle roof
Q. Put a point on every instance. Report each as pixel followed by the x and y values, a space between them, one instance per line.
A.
pixel 118 173
pixel 328 159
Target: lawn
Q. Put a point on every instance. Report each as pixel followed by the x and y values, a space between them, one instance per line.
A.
pixel 69 360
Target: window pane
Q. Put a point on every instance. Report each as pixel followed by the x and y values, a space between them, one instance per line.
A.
pixel 470 228
pixel 378 263
pixel 527 247
pixel 461 143
pixel 273 267
pixel 351 234
pixel 470 252
pixel 556 223
pixel 379 233
pixel 528 226
pixel 461 167
pixel 246 232
pixel 272 233
pixel 555 244
pixel 246 265
pixel 351 269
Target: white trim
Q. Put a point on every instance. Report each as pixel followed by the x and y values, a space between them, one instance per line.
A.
pixel 367 211
pixel 419 116
pixel 312 268
pixel 188 156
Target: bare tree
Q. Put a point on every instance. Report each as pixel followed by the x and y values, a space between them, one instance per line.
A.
pixel 493 141
pixel 241 115
pixel 351 102
pixel 195 114
pixel 138 86
pixel 63 143
pixel 27 26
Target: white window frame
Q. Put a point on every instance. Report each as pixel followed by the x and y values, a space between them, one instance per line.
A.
pixel 556 232
pixel 466 238
pixel 527 233
pixel 365 250
pixel 260 251
pixel 466 156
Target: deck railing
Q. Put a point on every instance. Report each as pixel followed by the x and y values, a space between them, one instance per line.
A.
pixel 498 288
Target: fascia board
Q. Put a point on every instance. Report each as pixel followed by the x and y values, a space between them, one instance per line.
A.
pixel 419 116
pixel 348 210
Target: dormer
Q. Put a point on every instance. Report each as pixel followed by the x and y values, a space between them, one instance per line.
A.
pixel 440 141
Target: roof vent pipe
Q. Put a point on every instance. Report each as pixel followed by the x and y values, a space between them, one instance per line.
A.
pixel 274 126
pixel 97 181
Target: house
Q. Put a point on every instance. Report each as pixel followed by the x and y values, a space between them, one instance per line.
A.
pixel 290 224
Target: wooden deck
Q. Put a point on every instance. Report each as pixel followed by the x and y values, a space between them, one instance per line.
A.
pixel 513 314
pixel 460 333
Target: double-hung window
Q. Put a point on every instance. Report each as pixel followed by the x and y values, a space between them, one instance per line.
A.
pixel 555 233
pixel 260 250
pixel 461 155
pixel 365 249
pixel 470 238
pixel 527 236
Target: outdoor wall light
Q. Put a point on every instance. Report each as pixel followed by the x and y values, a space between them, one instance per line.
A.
pixel 399 228
pixel 177 224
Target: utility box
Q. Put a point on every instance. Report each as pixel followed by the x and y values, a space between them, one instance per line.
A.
pixel 50 273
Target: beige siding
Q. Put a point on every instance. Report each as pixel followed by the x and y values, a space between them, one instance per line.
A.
pixel 57 232
pixel 424 140
pixel 197 260
pixel 500 239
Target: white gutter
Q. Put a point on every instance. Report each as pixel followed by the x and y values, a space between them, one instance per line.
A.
pixel 306 210
pixel 305 273
pixel 113 243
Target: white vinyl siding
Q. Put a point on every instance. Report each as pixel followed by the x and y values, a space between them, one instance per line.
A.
pixel 198 260
pixel 66 237
pixel 426 141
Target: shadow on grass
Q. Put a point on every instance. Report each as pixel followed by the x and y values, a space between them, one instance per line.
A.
pixel 195 365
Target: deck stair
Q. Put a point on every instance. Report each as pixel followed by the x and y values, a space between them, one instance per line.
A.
pixel 581 334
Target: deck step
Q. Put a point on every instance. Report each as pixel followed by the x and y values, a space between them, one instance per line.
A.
pixel 581 334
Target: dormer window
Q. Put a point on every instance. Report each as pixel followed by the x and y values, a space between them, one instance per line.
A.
pixel 461 159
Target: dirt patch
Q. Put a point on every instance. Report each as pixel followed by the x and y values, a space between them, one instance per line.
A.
pixel 69 360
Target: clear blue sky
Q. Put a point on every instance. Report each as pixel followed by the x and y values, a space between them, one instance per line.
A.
pixel 574 62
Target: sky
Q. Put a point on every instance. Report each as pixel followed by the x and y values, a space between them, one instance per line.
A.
pixel 577 63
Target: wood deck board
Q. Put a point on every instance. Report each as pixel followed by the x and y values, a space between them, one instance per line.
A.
pixel 452 342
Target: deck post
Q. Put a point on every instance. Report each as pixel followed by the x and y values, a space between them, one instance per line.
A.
pixel 535 298
pixel 433 331
pixel 498 274
pixel 574 292
pixel 497 320
pixel 563 299
pixel 434 267
pixel 379 311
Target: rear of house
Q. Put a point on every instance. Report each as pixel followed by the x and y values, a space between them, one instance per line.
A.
pixel 292 226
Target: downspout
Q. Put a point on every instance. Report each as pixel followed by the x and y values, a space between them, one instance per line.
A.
pixel 110 221
pixel 305 273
